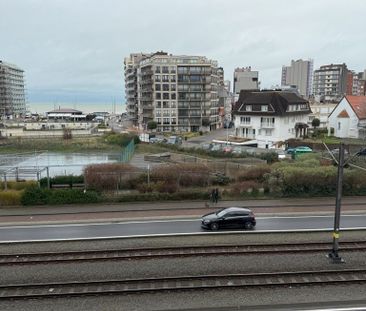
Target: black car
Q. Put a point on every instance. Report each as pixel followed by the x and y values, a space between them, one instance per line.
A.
pixel 231 217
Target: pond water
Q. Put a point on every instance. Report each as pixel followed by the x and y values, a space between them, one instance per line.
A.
pixel 58 163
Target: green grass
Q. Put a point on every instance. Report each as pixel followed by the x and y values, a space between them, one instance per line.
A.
pixel 83 144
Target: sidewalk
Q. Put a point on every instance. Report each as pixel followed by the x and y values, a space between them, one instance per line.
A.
pixel 167 210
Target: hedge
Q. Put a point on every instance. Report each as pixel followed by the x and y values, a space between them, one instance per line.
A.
pixel 40 196
pixel 10 197
pixel 17 185
pixel 156 196
pixel 63 180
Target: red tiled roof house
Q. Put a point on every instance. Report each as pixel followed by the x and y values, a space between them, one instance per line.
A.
pixel 348 119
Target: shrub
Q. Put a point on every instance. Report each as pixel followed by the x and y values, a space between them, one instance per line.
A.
pixel 109 176
pixel 63 180
pixel 39 196
pixel 72 196
pixel 183 174
pixel 10 197
pixel 270 157
pixel 35 196
pixel 120 139
pixel 155 196
pixel 18 185
pixel 255 173
pixel 243 187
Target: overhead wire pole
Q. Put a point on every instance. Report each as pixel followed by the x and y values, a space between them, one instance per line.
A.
pixel 334 255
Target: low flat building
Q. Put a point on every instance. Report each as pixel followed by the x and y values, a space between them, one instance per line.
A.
pixel 270 117
pixel 65 114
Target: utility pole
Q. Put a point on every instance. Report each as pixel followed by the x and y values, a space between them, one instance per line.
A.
pixel 333 255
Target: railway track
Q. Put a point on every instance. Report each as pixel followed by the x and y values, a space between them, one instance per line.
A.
pixel 161 284
pixel 166 252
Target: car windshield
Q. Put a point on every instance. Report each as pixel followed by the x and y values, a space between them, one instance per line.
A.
pixel 221 213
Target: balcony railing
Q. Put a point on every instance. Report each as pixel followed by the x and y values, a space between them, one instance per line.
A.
pixel 269 125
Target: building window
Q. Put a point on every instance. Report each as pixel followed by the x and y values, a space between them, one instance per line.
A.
pixel 157 87
pixel 165 87
pixel 158 95
pixel 245 120
pixel 174 96
pixel 268 132
pixel 339 125
pixel 157 78
pixel 173 87
pixel 165 69
pixel 165 95
pixel 157 69
pixel 248 108
pixel 264 108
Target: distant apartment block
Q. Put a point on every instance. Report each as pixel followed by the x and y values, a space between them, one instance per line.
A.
pixel 299 75
pixel 330 82
pixel 245 79
pixel 180 93
pixel 12 95
pixel 355 83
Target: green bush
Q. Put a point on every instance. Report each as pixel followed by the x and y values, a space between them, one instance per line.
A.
pixel 39 196
pixel 35 196
pixel 63 180
pixel 156 196
pixel 10 197
pixel 120 139
pixel 18 185
pixel 72 196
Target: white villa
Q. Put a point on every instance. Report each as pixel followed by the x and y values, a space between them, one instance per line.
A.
pixel 268 118
pixel 348 119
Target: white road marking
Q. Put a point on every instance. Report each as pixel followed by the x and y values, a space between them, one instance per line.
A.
pixel 158 221
pixel 182 234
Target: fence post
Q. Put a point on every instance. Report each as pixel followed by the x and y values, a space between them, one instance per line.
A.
pixel 5 182
pixel 148 175
pixel 48 178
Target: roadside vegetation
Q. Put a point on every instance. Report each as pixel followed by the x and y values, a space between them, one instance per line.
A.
pixel 109 142
pixel 308 175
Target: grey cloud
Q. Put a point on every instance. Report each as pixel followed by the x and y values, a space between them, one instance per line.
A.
pixel 77 47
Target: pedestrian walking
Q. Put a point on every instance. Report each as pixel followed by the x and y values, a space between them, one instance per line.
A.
pixel 216 195
pixel 212 196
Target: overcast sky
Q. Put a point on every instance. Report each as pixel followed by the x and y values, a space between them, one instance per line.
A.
pixel 73 50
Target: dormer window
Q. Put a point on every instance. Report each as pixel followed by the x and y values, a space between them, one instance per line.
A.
pixel 248 108
pixel 264 108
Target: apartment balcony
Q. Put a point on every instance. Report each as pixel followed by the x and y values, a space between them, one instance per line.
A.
pixel 267 125
pixel 146 81
pixel 247 125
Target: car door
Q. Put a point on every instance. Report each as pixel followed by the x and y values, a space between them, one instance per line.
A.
pixel 229 220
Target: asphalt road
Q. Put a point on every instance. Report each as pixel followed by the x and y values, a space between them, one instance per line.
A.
pixel 161 227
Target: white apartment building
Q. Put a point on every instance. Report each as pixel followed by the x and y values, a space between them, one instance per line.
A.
pixel 321 112
pixel 12 95
pixel 300 75
pixel 180 93
pixel 270 117
pixel 330 82
pixel 348 119
pixel 245 79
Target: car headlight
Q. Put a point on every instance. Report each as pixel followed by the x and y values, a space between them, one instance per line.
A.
pixel 206 221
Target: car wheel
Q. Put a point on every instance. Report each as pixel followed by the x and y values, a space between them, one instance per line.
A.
pixel 214 226
pixel 248 225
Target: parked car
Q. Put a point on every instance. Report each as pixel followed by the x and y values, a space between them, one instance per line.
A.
pixel 299 149
pixel 335 152
pixel 229 218
pixel 157 140
pixel 227 149
pixel 174 140
pixel 216 148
